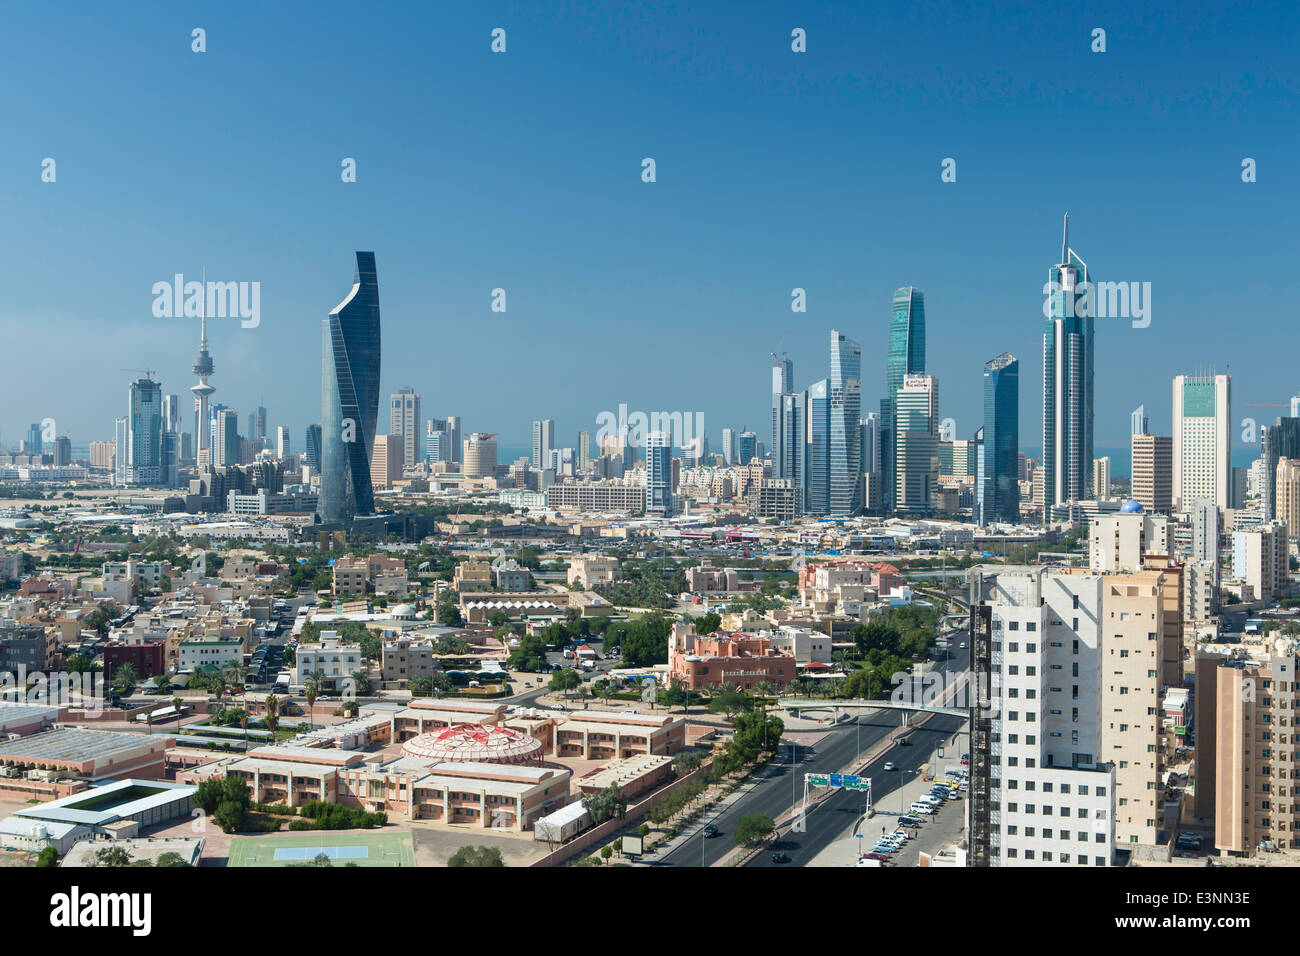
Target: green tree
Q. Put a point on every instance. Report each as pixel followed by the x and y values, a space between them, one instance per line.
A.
pixel 478 856
pixel 730 701
pixel 48 857
pixel 564 680
pixel 708 623
pixel 605 805
pixel 753 828
pixel 112 856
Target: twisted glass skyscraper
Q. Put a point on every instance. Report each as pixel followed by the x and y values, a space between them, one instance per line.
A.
pixel 350 397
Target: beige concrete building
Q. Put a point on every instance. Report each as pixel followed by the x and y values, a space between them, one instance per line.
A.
pixel 1288 496
pixel 1134 614
pixel 1246 749
pixel 590 570
pixel 480 456
pixel 1153 466
pixel 386 461
pixel 1261 559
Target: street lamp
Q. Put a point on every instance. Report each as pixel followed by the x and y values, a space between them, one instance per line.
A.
pixel 901 781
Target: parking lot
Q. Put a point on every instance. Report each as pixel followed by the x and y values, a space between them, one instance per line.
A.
pixel 937 831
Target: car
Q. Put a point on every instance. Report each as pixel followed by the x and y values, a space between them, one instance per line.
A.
pixel 965 761
pixel 909 820
pixel 904 742
pixel 889 765
pixel 710 830
pixel 780 857
pixel 884 849
pixel 871 859
pixel 962 645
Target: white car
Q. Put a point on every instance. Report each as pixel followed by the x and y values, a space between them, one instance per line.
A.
pixel 889 765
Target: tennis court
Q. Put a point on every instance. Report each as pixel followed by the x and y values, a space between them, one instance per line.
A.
pixel 380 848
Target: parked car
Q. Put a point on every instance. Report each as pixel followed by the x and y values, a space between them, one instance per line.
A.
pixel 909 820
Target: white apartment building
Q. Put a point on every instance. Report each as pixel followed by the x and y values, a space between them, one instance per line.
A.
pixel 336 661
pixel 1053 799
pixel 191 655
pixel 1260 558
pixel 1117 542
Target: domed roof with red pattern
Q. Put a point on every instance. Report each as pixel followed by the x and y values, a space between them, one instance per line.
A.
pixel 478 742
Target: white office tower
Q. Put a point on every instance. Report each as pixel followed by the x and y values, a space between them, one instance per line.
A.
pixel 1202 441
pixel 1052 796
pixel 543 442
pixel 283 443
pixel 728 446
pixel 404 421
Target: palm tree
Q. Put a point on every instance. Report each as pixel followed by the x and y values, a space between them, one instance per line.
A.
pixel 312 688
pixel 272 714
pixel 234 674
pixel 243 722
pixel 176 706
pixel 125 679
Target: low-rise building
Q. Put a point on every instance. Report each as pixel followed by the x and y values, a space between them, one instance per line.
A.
pixel 742 660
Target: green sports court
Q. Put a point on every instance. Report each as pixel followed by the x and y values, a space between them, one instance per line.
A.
pixel 380 848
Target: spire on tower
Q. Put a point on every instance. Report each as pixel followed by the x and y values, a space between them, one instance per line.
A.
pixel 1065 241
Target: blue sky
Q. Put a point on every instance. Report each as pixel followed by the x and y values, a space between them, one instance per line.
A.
pixel 522 171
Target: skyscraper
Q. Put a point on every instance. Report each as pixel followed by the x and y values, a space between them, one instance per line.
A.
pixel 817 448
pixel 846 423
pixel 437 441
pixel 404 421
pixel 1067 381
pixel 453 429
pixel 223 436
pixel 1138 421
pixel 144 434
pixel 312 447
pixel 658 474
pixel 35 445
pixel 782 386
pixel 998 490
pixel 905 356
pixel 729 444
pixel 283 442
pixel 1202 441
pixel 543 442
pixel 916 438
pixel 1152 472
pixel 584 450
pixel 746 447
pixel 350 397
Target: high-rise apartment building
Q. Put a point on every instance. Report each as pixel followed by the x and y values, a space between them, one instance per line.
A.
pixel 1067 381
pixel 1119 542
pixel 437 441
pixel 350 397
pixel 1287 496
pixel 1202 440
pixel 1260 558
pixel 1101 477
pixel 584 450
pixel 1152 474
pixel 404 421
pixel 997 488
pixel 1043 790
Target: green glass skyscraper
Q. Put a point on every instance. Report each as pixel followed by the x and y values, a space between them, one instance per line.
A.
pixel 906 356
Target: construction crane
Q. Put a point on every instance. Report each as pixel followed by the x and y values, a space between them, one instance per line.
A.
pixel 148 372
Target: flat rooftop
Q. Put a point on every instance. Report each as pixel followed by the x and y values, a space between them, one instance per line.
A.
pixel 77 745
pixel 114 801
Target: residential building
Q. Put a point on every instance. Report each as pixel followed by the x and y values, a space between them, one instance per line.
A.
pixel 1152 480
pixel 404 422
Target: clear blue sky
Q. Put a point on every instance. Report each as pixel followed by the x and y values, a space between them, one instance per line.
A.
pixel 522 171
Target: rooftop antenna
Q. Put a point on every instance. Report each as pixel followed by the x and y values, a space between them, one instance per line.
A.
pixel 1065 240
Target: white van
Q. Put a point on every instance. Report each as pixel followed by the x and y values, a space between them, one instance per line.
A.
pixel 922 807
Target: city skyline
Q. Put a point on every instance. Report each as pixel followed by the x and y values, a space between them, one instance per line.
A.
pixel 984 291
